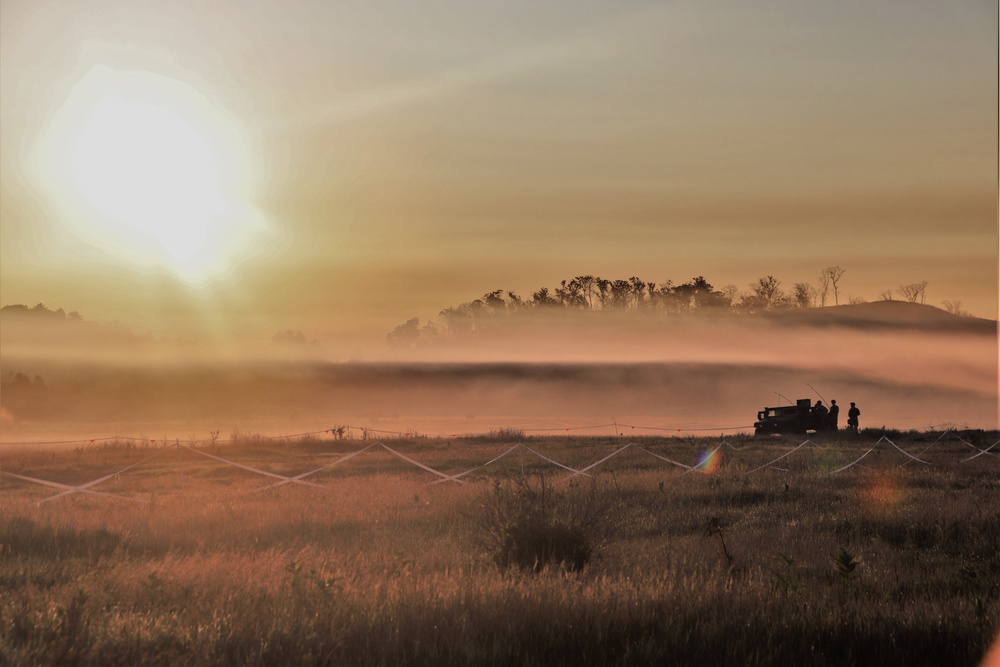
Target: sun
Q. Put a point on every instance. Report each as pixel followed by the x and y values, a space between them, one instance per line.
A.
pixel 151 173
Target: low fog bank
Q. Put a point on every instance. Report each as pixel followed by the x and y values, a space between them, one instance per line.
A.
pixel 290 398
pixel 906 367
pixel 889 342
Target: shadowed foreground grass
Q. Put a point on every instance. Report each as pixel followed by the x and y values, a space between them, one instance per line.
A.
pixel 894 563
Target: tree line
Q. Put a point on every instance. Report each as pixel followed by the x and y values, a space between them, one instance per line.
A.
pixel 41 318
pixel 115 331
pixel 593 293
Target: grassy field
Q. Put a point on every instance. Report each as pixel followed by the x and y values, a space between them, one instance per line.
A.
pixel 189 561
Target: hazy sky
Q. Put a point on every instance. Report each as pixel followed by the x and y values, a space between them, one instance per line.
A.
pixel 340 167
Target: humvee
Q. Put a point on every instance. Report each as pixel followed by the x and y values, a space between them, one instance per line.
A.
pixel 797 418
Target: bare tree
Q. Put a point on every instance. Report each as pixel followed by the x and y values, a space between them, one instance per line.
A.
pixel 589 286
pixel 833 275
pixel 955 308
pixel 603 290
pixel 638 290
pixel 914 292
pixel 662 296
pixel 909 292
pixel 803 295
pixel 543 299
pixel 824 287
pixel 621 293
pixel 571 294
pixel 768 292
pixel 885 295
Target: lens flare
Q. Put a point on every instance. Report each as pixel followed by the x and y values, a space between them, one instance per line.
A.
pixel 710 461
pixel 884 492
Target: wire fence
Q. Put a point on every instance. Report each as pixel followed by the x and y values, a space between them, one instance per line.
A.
pixel 350 432
pixel 706 461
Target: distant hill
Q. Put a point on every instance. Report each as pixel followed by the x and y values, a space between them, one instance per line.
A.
pixel 884 314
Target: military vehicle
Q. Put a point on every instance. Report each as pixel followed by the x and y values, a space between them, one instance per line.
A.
pixel 798 418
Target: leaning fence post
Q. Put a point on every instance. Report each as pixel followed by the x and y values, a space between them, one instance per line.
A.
pixel 180 467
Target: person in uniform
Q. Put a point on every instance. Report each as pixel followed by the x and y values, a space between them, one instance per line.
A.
pixel 821 416
pixel 852 417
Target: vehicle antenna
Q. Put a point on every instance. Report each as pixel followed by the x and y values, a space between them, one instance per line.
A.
pixel 814 389
pixel 786 398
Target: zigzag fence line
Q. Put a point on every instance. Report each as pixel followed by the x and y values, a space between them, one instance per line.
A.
pixel 69 489
pixel 300 479
pixel 338 432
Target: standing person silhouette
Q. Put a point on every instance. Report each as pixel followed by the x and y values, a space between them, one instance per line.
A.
pixel 834 414
pixel 821 416
pixel 852 417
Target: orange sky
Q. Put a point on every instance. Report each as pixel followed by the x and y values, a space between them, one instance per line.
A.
pixel 380 161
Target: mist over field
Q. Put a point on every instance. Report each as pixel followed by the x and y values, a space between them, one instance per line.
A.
pixel 906 365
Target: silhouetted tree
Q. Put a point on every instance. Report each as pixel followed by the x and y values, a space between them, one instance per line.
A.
pixel 514 303
pixel 638 291
pixel 663 296
pixel 589 286
pixel 955 308
pixel 914 292
pixel 39 311
pixel 406 334
pixel 698 293
pixel 824 287
pixel 429 333
pixel 457 321
pixel 571 295
pixel 803 295
pixel 493 302
pixel 603 291
pixel 768 292
pixel 834 274
pixel 542 299
pixel 730 292
pixel 596 293
pixel 650 291
pixel 621 293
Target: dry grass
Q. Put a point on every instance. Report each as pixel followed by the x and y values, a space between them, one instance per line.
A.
pixel 889 564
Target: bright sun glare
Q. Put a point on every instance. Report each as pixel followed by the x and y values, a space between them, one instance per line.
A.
pixel 149 170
